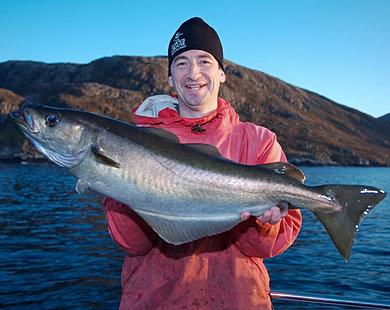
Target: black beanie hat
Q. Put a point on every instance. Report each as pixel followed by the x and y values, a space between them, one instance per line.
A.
pixel 195 34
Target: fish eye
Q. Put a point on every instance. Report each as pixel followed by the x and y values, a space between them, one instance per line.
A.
pixel 52 119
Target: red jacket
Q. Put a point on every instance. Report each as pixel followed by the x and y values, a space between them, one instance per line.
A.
pixel 225 271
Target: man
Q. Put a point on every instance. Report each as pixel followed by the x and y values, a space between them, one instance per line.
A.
pixel 225 271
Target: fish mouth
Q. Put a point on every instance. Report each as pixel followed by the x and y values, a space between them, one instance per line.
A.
pixel 23 118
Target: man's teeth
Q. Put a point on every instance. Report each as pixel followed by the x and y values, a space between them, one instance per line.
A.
pixel 194 87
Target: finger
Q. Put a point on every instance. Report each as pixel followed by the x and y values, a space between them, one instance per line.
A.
pixel 245 215
pixel 275 215
pixel 265 217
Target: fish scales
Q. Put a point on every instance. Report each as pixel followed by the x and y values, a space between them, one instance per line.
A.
pixel 185 192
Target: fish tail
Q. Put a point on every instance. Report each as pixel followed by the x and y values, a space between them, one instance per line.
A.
pixel 355 201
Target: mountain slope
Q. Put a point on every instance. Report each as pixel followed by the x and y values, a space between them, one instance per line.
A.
pixel 311 128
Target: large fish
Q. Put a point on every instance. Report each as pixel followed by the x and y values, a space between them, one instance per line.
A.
pixel 185 191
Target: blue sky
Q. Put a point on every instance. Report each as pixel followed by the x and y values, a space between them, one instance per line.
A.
pixel 337 48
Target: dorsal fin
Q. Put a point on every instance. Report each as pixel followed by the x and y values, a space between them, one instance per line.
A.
pixel 170 136
pixel 165 134
pixel 205 148
pixel 286 169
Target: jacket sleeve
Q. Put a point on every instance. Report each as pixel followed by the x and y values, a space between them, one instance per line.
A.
pixel 264 240
pixel 127 228
pixel 254 238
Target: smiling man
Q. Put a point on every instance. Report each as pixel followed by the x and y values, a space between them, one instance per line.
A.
pixel 224 271
pixel 196 77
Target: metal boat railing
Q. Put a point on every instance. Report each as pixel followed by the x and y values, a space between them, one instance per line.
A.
pixel 331 300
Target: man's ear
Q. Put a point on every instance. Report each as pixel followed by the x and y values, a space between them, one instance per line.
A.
pixel 170 81
pixel 222 76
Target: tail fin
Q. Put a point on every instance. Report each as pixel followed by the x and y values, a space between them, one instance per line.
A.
pixel 356 201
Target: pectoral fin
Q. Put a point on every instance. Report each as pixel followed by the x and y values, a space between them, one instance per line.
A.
pixel 103 159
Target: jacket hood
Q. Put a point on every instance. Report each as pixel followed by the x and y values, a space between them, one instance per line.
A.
pixel 162 111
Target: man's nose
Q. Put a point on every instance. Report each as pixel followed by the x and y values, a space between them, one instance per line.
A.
pixel 193 71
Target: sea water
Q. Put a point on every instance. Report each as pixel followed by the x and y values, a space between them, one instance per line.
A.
pixel 56 253
pixel 313 265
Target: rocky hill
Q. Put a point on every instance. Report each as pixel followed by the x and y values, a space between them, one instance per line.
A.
pixel 311 128
pixel 385 117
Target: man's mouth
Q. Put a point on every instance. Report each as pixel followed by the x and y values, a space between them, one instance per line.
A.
pixel 194 87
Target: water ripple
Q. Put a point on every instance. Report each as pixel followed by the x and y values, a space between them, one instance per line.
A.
pixel 56 252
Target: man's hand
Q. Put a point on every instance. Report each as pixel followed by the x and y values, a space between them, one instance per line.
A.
pixel 271 216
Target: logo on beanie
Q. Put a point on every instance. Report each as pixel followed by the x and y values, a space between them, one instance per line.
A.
pixel 177 43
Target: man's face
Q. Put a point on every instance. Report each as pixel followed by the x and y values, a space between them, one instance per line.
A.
pixel 196 77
